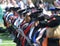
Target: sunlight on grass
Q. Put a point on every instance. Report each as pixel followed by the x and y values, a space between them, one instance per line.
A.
pixel 7 44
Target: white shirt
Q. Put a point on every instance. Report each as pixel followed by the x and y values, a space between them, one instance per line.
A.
pixel 47 12
pixel 21 5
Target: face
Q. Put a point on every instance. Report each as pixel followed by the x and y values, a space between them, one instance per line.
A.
pixel 41 5
pixel 36 23
pixel 28 18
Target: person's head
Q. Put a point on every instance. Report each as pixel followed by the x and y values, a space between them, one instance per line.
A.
pixel 39 3
pixel 27 18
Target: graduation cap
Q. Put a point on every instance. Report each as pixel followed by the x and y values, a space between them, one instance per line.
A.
pixel 40 10
pixel 35 14
pixel 30 8
pixel 21 11
pixel 14 8
pixel 24 11
pixel 53 23
pixel 40 18
pixel 6 8
pixel 57 17
pixel 42 24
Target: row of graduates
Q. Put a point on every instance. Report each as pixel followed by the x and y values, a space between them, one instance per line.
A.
pixel 29 25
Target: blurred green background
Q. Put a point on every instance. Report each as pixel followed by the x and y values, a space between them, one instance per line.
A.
pixel 5 40
pixel 1 14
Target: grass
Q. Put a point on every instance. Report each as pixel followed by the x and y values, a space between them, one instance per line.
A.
pixel 7 45
pixel 6 41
